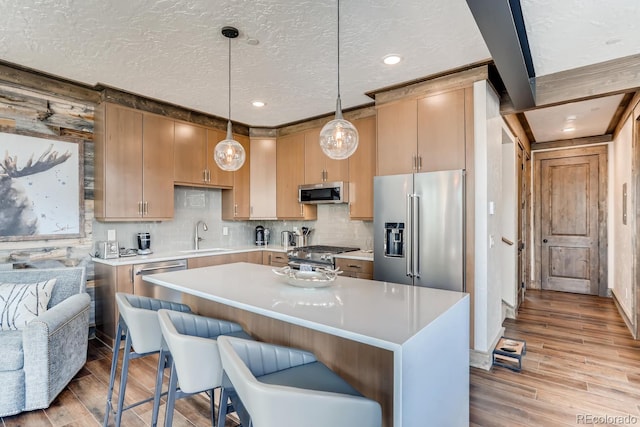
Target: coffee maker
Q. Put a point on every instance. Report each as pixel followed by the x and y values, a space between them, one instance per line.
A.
pixel 260 238
pixel 144 243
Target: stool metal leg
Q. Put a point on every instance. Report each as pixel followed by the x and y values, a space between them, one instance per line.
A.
pixel 222 406
pixel 112 376
pixel 123 378
pixel 171 396
pixel 164 361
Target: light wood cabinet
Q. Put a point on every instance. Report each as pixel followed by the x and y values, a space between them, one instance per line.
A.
pixel 193 157
pixel 236 203
pixel 290 155
pixel 133 165
pixel 362 167
pixel 275 258
pixel 360 269
pixel 263 178
pixel 318 167
pixel 422 135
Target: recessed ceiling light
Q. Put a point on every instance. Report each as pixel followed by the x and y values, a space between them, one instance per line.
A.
pixel 568 129
pixel 571 118
pixel 252 41
pixel 392 59
pixel 258 104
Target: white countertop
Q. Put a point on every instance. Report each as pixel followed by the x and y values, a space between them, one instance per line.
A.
pixel 381 314
pixel 173 255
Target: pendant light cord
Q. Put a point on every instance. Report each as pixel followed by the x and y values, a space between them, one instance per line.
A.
pixel 229 98
pixel 338 48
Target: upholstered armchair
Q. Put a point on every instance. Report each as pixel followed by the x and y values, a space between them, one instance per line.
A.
pixel 38 359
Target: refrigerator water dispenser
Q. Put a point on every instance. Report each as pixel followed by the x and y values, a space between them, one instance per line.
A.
pixel 394 239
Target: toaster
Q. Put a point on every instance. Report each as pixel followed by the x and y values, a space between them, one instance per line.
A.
pixel 106 250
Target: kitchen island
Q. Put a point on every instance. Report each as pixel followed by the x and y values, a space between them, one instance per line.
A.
pixel 404 346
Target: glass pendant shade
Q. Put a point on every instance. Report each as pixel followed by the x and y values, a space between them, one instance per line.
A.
pixel 229 154
pixel 339 138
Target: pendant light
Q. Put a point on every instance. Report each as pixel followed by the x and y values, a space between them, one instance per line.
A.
pixel 229 153
pixel 339 138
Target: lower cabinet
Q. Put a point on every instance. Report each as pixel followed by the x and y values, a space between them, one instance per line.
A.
pixel 275 258
pixel 360 269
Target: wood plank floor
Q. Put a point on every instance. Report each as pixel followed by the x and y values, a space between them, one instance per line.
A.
pixel 581 361
pixel 82 402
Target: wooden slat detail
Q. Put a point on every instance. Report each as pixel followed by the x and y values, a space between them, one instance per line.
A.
pixel 605 78
pixel 567 143
pixel 317 122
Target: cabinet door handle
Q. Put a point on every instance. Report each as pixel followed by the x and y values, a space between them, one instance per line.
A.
pixel 413 162
pixel 301 209
pixel 235 210
pixel 354 266
pixel 145 208
pixel 140 208
pixel 269 259
pixel 419 162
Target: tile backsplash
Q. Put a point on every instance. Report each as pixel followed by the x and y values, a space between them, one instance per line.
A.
pixel 333 226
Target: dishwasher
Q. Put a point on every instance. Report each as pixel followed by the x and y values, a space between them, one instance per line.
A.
pixel 140 287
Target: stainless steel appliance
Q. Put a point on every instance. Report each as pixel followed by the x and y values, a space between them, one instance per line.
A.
pixel 140 287
pixel 418 225
pixel 316 255
pixel 287 239
pixel 325 192
pixel 107 250
pixel 144 243
pixel 260 238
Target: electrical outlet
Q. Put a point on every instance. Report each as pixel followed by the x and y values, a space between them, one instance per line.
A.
pixel 225 231
pixel 111 235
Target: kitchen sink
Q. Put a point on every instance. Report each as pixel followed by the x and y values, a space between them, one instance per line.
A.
pixel 204 250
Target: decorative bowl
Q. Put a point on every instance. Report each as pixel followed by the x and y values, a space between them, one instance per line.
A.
pixel 319 278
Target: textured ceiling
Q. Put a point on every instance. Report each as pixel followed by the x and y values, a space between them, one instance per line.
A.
pixel 173 50
pixel 565 34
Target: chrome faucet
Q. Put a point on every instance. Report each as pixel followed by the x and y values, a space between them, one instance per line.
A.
pixel 197 238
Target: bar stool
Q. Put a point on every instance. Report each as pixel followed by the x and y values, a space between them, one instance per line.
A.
pixel 286 387
pixel 139 328
pixel 195 359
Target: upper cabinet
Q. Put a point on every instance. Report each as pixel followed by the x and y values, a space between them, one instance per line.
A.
pixel 362 167
pixel 193 157
pixel 290 158
pixel 235 202
pixel 263 178
pixel 422 135
pixel 133 173
pixel 318 167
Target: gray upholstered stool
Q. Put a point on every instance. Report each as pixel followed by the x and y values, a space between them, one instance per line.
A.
pixel 139 328
pixel 195 359
pixel 286 387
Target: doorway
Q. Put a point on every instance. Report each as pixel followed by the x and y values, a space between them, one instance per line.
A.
pixel 570 228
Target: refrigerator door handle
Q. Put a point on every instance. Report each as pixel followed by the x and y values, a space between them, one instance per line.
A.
pixel 415 236
pixel 409 237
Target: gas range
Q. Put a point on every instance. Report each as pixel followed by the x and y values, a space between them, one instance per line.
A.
pixel 316 255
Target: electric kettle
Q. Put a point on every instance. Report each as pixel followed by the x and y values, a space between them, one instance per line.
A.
pixel 287 239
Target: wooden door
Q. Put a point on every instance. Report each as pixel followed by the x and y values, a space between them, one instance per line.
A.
pixel 157 166
pixel 216 177
pixel 572 202
pixel 441 132
pixel 314 158
pixel 123 163
pixel 189 154
pixel 397 125
pixel 362 168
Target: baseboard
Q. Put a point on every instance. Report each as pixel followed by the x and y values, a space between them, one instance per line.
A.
pixel 624 316
pixel 484 359
pixel 508 311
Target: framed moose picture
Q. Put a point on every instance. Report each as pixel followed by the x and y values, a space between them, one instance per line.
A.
pixel 40 188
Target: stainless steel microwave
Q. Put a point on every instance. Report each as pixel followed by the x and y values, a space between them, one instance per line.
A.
pixel 325 192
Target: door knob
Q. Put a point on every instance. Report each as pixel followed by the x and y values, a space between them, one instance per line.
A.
pixel 544 241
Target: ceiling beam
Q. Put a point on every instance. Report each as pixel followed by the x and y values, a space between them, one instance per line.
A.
pixel 591 81
pixel 564 143
pixel 497 23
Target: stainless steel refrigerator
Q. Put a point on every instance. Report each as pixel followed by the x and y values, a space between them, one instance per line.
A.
pixel 418 224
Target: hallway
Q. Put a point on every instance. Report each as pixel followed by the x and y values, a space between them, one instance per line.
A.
pixel 581 362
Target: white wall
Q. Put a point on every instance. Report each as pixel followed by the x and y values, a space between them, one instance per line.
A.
pixel 509 218
pixel 488 183
pixel 623 235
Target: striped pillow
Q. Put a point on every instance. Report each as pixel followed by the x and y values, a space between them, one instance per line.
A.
pixel 20 303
